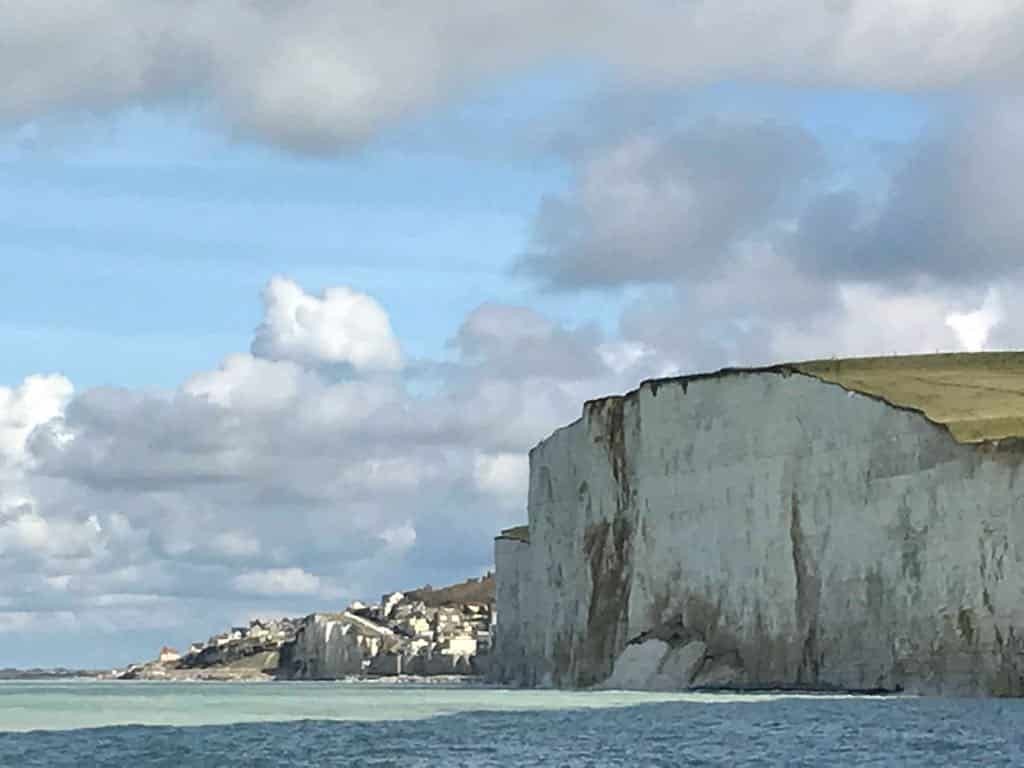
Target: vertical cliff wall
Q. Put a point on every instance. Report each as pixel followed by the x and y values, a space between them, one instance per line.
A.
pixel 765 528
pixel 512 590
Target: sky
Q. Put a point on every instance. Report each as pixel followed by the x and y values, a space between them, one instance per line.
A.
pixel 288 290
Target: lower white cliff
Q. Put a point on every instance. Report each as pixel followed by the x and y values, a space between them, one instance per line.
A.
pixel 765 529
pixel 331 646
pixel 427 632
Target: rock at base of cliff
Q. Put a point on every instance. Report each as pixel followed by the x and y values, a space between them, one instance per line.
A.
pixel 680 665
pixel 654 665
pixel 637 665
pixel 714 675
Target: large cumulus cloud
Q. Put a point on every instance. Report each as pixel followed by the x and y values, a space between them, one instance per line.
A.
pixel 292 477
pixel 342 327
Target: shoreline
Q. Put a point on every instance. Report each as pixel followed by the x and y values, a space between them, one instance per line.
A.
pixel 214 677
pixel 481 682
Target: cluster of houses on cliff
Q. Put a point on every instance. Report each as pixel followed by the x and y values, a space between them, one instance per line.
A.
pixel 424 632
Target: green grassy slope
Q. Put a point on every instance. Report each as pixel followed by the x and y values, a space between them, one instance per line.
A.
pixel 978 396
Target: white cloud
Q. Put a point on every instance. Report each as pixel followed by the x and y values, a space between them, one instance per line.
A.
pixel 59 583
pixel 248 382
pixel 34 621
pixel 622 356
pixel 236 544
pixel 974 328
pixel 277 581
pixel 31 533
pixel 278 477
pixel 505 475
pixel 38 400
pixel 342 326
pixel 400 538
pixel 873 320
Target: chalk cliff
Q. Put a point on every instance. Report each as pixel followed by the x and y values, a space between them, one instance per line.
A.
pixel 332 646
pixel 778 527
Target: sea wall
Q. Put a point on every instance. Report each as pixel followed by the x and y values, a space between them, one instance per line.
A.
pixel 763 529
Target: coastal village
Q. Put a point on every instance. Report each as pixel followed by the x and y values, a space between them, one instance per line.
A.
pixel 425 632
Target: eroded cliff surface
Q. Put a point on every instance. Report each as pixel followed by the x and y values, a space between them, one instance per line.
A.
pixel 765 528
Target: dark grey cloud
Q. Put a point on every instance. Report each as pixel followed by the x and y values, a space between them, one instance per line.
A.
pixel 661 208
pixel 817 266
pixel 950 212
pixel 713 204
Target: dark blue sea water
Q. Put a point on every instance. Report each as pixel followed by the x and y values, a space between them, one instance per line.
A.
pixel 786 731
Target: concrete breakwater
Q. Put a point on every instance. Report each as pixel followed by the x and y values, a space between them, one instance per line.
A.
pixel 851 525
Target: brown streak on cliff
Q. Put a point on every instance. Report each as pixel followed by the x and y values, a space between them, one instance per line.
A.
pixel 808 594
pixel 608 547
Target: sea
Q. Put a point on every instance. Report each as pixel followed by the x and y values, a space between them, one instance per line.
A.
pixel 94 723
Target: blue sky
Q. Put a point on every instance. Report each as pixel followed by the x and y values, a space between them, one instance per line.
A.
pixel 134 254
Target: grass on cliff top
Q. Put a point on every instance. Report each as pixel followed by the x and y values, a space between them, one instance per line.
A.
pixel 978 396
pixel 517 533
pixel 470 591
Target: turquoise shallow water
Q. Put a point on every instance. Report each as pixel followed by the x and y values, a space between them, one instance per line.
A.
pixel 169 724
pixel 90 704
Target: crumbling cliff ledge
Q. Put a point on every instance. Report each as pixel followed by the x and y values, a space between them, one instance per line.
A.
pixel 839 525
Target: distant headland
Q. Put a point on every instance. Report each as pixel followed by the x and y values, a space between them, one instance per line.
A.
pixel 426 632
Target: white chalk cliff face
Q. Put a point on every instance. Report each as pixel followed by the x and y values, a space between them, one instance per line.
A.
pixel 331 646
pixel 765 529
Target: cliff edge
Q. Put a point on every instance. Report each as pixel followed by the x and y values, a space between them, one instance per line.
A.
pixel 836 525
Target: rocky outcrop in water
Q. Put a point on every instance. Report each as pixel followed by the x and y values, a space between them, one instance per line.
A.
pixel 766 528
